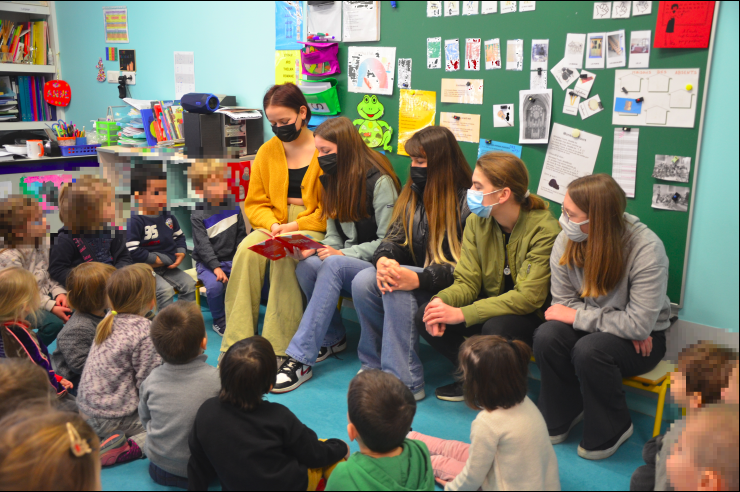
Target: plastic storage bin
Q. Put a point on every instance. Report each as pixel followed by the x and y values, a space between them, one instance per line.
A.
pixel 80 150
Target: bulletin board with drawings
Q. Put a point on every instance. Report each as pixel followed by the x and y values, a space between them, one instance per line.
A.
pixel 407 28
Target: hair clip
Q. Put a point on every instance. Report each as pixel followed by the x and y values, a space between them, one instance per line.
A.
pixel 78 446
pixel 113 313
pixel 526 195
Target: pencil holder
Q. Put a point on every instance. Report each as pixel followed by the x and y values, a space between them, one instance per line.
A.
pixel 81 141
pixel 66 141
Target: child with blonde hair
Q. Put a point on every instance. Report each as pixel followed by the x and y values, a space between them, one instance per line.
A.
pixel 23 244
pixel 121 358
pixel 86 208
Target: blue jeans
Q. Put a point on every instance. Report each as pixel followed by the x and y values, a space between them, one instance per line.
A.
pixel 389 340
pixel 167 281
pixel 215 290
pixel 321 325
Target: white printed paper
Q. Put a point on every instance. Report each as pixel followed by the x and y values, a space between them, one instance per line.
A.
pixel 621 10
pixel 595 50
pixel 514 54
pixel 570 106
pixel 640 49
pixel 575 44
pixel 615 52
pixel 590 107
pixel 434 9
pixel 184 73
pixel 371 69
pixel 472 54
pixel 508 7
pixel 584 84
pixel 526 6
pixel 434 52
pixel 567 159
pixel 404 73
pixel 360 21
pixel 488 7
pixel 325 17
pixel 602 10
pixel 535 108
pixel 538 80
pixel 452 55
pixel 540 50
pixel 624 160
pixel 470 8
pixel 642 8
pixel 564 74
pixel 493 54
pixel 503 115
pixel 452 8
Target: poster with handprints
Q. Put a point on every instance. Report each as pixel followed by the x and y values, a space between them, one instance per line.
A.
pixel 434 52
pixel 371 69
pixel 472 54
pixel 452 55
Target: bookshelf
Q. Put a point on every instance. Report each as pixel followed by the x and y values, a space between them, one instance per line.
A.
pixel 22 12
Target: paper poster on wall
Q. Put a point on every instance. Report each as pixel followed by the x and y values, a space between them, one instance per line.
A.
pixel 326 18
pixel 470 8
pixel 287 66
pixel 669 96
pixel 508 7
pixel 535 108
pixel 434 52
pixel 540 49
pixel 602 10
pixel 538 80
pixel 595 50
pixel 465 127
pixel 584 83
pixel 667 197
pixel 44 188
pixel 683 24
pixel 570 105
pixel 624 159
pixel 452 8
pixel 574 46
pixel 567 158
pixel 493 54
pixel 434 9
pixel 360 21
pixel 672 168
pixel 621 10
pixel 452 55
pixel 404 73
pixel 371 70
pixel 503 115
pixel 615 52
pixel 115 20
pixel 590 107
pixel 642 8
pixel 462 91
pixel 514 54
pixel 527 6
pixel 639 49
pixel 486 146
pixel 184 73
pixel 472 54
pixel 488 7
pixel 416 110
pixel 564 74
pixel 289 25
pixel 6 188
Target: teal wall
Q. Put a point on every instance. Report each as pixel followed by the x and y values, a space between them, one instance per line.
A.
pixel 238 58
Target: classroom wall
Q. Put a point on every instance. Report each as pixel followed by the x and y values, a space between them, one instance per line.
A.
pixel 226 61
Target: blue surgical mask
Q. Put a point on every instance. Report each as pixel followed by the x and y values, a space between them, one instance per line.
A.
pixel 573 229
pixel 475 203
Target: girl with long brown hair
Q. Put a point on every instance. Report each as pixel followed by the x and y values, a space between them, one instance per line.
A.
pixel 608 316
pixel 416 258
pixel 359 191
pixel 502 278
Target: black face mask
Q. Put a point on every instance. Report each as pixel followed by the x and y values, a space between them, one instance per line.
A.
pixel 286 133
pixel 419 177
pixel 328 163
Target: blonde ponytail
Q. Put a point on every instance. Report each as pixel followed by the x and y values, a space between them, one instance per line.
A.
pixel 130 290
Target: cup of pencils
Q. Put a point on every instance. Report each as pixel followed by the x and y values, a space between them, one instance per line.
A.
pixel 66 141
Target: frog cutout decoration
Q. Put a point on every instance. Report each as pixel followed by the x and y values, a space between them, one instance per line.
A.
pixel 374 133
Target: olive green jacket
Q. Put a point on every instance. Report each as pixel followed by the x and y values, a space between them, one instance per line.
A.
pixel 479 275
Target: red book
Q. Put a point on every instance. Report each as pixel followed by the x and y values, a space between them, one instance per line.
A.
pixel 276 247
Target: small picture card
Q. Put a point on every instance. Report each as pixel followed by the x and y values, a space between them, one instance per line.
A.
pixel 503 115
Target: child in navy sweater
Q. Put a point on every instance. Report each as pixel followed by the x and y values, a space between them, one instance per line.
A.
pixel 154 236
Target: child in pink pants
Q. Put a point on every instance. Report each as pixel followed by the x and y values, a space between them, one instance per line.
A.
pixel 448 457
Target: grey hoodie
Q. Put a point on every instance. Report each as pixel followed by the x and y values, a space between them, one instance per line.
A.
pixel 637 306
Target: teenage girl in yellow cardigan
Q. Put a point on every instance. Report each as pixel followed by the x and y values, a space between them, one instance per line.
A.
pixel 283 197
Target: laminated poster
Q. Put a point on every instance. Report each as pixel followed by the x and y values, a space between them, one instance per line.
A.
pixel 465 127
pixel 434 9
pixel 116 24
pixel 416 110
pixel 287 66
pixel 514 54
pixel 472 54
pixel 434 52
pixel 486 146
pixel 503 115
pixel 493 54
pixel 683 24
pixel 371 69
pixel 289 25
pixel 535 108
pixel 462 91
pixel 452 55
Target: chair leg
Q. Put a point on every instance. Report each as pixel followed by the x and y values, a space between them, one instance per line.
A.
pixel 659 409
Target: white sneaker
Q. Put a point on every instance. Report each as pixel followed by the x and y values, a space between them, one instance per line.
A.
pixel 291 375
pixel 605 453
pixel 325 352
pixel 420 395
pixel 562 437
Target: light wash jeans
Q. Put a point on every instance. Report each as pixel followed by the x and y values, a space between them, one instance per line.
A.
pixel 389 340
pixel 167 281
pixel 321 325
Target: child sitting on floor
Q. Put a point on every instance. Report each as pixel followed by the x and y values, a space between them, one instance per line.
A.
pixel 173 392
pixel 380 412
pixel 510 447
pixel 703 371
pixel 24 243
pixel 121 358
pixel 24 386
pixel 250 443
pixel 86 285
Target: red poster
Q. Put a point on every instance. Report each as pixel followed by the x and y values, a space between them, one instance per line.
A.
pixel 683 25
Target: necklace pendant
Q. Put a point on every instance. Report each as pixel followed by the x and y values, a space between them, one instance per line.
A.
pixel 507 270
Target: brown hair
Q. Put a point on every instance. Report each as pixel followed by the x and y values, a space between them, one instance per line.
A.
pixel 248 371
pixel 202 170
pixel 177 332
pixel 448 172
pixel 288 96
pixel 712 438
pixel 706 367
pixel 81 202
pixel 381 408
pixel 505 170
pixel 16 212
pixel 86 286
pixel 603 255
pixel 24 384
pixel 19 298
pixel 494 371
pixel 130 290
pixel 36 453
pixel 344 197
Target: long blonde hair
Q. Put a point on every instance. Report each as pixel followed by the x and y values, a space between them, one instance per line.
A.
pixel 81 203
pixel 603 255
pixel 448 172
pixel 505 170
pixel 130 290
pixel 19 294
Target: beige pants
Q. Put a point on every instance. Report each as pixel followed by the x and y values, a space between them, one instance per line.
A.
pixel 285 302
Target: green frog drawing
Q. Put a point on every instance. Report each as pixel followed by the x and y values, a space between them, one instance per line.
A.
pixel 374 133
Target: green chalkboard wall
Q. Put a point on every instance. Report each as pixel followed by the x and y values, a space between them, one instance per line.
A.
pixel 407 28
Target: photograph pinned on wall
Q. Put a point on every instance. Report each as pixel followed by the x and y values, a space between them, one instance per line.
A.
pixel 452 55
pixel 672 168
pixel 642 8
pixel 493 54
pixel 508 7
pixel 503 115
pixel 127 60
pixel 538 79
pixel 488 7
pixel 434 53
pixel 540 50
pixel 615 52
pixel 640 49
pixel 371 69
pixel 584 83
pixel 667 197
pixel 621 10
pixel 570 105
pixel 574 46
pixel 404 73
pixel 434 9
pixel 527 6
pixel 514 54
pixel 564 74
pixel 472 54
pixel 470 8
pixel 602 10
pixel 452 8
pixel 595 50
pixel 535 108
pixel 590 107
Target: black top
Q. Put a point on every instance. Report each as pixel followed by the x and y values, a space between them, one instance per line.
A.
pixel 295 178
pixel 265 449
pixel 508 281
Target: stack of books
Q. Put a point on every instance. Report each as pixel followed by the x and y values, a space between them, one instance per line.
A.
pixel 168 121
pixel 23 99
pixel 8 101
pixel 24 42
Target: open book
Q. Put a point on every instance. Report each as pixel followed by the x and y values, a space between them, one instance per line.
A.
pixel 276 247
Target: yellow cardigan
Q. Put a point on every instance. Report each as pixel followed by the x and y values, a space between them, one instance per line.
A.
pixel 267 198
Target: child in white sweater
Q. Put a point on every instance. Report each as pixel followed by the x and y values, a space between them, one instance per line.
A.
pixel 510 448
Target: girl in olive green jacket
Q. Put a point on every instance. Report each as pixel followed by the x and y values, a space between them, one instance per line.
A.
pixel 502 280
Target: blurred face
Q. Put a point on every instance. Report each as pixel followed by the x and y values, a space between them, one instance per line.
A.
pixel 678 389
pixel 215 190
pixel 418 162
pixel 730 393
pixel 154 199
pixel 36 225
pixel 108 212
pixel 574 213
pixel 324 147
pixel 682 473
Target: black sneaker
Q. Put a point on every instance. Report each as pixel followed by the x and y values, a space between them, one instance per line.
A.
pixel 325 352
pixel 451 392
pixel 291 375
